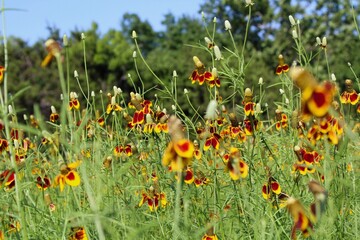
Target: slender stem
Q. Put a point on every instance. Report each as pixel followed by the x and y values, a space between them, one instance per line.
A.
pixel 246 33
pixel 86 73
pixel 176 228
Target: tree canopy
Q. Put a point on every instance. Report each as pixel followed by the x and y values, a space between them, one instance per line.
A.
pixel 110 60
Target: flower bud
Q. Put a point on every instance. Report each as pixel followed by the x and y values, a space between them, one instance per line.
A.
pixel 53 109
pixel 134 54
pixel 258 108
pixel 217 53
pixel 214 20
pixel 211 112
pixel 76 75
pixel 92 94
pixel 149 118
pixel 261 81
pixel 249 3
pixel 115 90
pixel 133 34
pixel 65 41
pixel 113 100
pixel 294 34
pixel 207 40
pixel 281 91
pixel 292 20
pixel 324 42
pixel 214 72
pixel 175 74
pixel 186 91
pixel 198 63
pixel 227 25
pixel 333 77
pixel 10 108
pixel 83 36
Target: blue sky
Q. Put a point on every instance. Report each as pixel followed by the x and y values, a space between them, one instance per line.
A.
pixel 31 21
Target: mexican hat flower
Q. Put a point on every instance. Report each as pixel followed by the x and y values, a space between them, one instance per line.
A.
pixel 282 67
pixel 316 98
pixel 53 48
pixel 68 176
pixel 180 151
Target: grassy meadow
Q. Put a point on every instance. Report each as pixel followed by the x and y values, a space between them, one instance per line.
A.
pixel 136 165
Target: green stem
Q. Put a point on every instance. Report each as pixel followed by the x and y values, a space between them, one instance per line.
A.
pixel 176 228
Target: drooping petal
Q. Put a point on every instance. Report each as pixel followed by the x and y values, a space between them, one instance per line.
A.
pixel 72 178
pixel 265 190
pixel 189 176
pixel 184 148
pixel 275 187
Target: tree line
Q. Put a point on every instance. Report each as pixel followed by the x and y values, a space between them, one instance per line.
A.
pixel 109 56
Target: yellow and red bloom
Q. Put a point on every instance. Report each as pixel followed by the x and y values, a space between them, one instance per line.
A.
pixel 113 106
pixel 281 120
pixel 200 75
pixel 7 178
pixel 43 182
pixel 54 117
pixel 300 218
pixel 316 98
pixel 53 48
pixel 2 70
pixel 178 154
pixel 13 226
pixel 306 160
pixel 214 141
pixel 4 145
pixel 68 176
pixel 236 166
pixel 272 186
pixel 189 176
pixel 74 102
pixel 282 67
pixel 250 126
pixel 209 237
pixel 249 108
pixel 349 95
pixel 302 221
pixel 153 198
pixel 78 233
pixel 120 150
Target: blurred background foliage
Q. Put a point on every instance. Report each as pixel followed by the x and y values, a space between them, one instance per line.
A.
pixel 110 56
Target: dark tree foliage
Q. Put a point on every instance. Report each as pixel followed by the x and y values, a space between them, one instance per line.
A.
pixel 109 56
